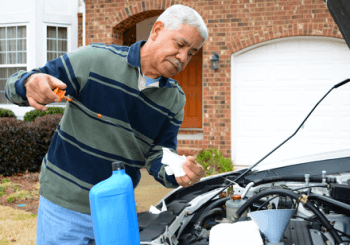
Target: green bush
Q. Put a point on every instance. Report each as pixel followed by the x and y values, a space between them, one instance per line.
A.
pixel 17 145
pixel 55 110
pixel 31 115
pixel 6 113
pixel 24 144
pixel 214 162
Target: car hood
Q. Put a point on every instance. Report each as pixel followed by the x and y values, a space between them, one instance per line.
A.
pixel 303 160
pixel 340 11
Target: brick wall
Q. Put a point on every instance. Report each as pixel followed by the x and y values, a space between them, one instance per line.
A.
pixel 80 29
pixel 233 25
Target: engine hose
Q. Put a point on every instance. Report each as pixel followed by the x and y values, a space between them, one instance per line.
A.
pixel 324 222
pixel 343 206
pixel 325 239
pixel 199 222
pixel 295 196
pixel 215 204
pixel 212 212
pixel 315 179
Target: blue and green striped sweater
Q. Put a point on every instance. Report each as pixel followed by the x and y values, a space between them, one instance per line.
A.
pixel 138 121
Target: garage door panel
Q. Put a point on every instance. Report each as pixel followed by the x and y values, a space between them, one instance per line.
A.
pixel 345 96
pixel 284 51
pixel 254 79
pixel 292 75
pixel 263 146
pixel 319 126
pixel 268 99
pixel 320 73
pixel 274 88
pixel 263 124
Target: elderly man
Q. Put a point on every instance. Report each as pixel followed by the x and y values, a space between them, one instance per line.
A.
pixel 124 108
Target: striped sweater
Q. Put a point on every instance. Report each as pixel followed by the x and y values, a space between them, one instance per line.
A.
pixel 137 121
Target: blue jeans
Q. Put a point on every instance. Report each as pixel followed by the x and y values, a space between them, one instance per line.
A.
pixel 60 226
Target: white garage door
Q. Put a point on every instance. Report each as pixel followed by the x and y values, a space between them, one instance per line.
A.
pixel 275 86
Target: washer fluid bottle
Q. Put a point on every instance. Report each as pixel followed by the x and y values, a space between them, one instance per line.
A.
pixel 232 205
pixel 113 209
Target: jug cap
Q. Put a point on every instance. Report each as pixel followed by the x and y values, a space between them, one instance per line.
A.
pixel 117 165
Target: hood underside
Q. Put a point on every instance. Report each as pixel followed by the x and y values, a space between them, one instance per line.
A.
pixel 340 11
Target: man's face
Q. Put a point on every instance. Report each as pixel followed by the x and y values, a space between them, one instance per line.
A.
pixel 173 49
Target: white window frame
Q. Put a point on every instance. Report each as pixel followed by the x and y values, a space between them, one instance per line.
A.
pixel 12 25
pixel 69 37
pixel 16 65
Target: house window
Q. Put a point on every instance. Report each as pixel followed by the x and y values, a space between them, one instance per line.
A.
pixel 13 54
pixel 57 42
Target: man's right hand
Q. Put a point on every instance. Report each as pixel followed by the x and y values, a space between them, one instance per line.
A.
pixel 39 90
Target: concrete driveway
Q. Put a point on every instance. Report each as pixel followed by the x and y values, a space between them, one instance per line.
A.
pixel 149 191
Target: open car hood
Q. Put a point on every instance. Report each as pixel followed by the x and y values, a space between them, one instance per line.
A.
pixel 345 153
pixel 340 11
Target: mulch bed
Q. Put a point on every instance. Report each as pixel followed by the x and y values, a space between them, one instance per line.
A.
pixel 22 182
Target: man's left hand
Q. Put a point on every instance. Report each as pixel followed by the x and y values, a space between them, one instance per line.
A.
pixel 194 172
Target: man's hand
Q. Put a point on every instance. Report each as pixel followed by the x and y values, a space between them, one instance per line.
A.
pixel 39 90
pixel 194 172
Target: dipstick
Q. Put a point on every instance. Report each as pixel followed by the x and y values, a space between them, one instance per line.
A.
pixel 61 94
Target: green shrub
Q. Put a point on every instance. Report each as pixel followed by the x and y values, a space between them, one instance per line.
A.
pixel 6 113
pixel 46 127
pixel 55 110
pixel 214 162
pixel 24 144
pixel 33 114
pixel 17 145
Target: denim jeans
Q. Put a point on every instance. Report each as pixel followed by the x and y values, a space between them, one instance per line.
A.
pixel 60 226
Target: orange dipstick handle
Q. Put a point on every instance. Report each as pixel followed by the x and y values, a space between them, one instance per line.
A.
pixel 60 93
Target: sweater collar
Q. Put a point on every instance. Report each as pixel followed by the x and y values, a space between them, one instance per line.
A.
pixel 134 55
pixel 134 59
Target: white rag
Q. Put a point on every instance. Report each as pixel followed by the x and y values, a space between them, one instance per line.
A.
pixel 174 163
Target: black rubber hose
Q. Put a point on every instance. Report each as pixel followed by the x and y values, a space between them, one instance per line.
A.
pixel 214 204
pixel 305 187
pixel 217 203
pixel 262 194
pixel 324 238
pixel 295 196
pixel 314 179
pixel 324 222
pixel 212 212
pixel 334 203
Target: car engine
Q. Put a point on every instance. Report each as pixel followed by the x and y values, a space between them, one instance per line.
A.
pixel 319 204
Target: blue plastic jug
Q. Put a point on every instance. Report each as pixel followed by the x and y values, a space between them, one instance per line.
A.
pixel 113 209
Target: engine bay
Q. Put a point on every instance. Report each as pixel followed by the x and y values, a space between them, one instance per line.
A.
pixel 319 201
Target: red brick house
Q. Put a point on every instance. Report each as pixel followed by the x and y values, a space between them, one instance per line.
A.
pixel 236 28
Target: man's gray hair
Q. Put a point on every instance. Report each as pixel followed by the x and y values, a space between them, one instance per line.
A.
pixel 177 15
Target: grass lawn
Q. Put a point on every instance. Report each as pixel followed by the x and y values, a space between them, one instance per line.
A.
pixel 17 227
